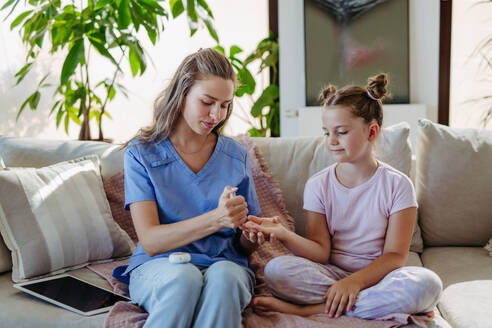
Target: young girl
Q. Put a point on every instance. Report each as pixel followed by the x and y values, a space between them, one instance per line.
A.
pixel 360 214
pixel 181 176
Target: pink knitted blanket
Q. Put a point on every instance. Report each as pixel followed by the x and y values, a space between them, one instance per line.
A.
pixel 127 315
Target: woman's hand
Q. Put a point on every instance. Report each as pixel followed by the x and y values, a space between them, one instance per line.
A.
pixel 261 229
pixel 231 211
pixel 341 296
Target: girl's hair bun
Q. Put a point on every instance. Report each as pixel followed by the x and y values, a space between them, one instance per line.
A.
pixel 326 93
pixel 376 86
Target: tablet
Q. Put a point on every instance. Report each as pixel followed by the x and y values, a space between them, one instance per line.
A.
pixel 72 294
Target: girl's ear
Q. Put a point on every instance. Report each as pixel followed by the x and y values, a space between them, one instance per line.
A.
pixel 373 131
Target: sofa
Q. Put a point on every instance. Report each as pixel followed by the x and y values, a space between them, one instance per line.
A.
pixel 450 169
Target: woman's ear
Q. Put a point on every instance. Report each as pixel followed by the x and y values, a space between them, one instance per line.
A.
pixel 373 131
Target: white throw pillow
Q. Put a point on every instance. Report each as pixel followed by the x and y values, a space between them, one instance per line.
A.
pixel 57 218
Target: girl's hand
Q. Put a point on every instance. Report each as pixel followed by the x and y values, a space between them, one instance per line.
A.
pixel 264 227
pixel 231 211
pixel 253 235
pixel 341 296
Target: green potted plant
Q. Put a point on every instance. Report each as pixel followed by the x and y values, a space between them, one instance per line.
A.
pixel 107 28
pixel 266 108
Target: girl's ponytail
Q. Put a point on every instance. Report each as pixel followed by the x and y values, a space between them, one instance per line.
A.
pixel 376 86
pixel 326 94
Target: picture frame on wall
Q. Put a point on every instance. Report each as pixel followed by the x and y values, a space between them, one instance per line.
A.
pixel 348 41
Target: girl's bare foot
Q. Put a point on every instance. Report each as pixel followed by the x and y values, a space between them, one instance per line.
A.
pixel 268 303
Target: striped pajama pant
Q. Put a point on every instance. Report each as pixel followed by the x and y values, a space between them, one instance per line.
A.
pixel 405 290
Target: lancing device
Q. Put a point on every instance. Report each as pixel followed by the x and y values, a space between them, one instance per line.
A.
pixel 179 257
pixel 232 195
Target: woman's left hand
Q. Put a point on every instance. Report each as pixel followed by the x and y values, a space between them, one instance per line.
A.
pixel 341 296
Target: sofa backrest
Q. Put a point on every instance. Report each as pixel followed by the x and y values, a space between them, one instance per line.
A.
pixel 293 160
pixel 32 152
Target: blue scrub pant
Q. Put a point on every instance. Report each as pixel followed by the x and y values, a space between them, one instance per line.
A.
pixel 184 295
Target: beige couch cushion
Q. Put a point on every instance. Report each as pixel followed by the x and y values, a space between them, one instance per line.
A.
pixel 21 310
pixel 413 259
pixel 454 183
pixel 467 304
pixel 458 264
pixel 293 160
pixel 57 218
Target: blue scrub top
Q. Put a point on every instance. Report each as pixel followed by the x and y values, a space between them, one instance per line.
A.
pixel 156 172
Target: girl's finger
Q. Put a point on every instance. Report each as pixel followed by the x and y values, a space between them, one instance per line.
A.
pixel 334 305
pixel 329 300
pixel 261 238
pixel 341 305
pixel 273 237
pixel 252 237
pixel 351 302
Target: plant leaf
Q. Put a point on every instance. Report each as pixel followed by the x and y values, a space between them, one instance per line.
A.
pixel 33 103
pixel 211 30
pixel 102 3
pixel 247 83
pixel 124 14
pixel 220 49
pixel 234 50
pixel 59 116
pixel 67 121
pixel 102 50
pixel 192 16
pixel 22 107
pixel 21 74
pixel 177 7
pixel 54 106
pixel 134 61
pixel 267 98
pixel 74 118
pixel 19 19
pixel 205 6
pixel 72 60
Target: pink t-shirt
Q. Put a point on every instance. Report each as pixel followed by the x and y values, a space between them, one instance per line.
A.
pixel 358 217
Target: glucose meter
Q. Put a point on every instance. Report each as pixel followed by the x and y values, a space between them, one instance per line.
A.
pixel 179 257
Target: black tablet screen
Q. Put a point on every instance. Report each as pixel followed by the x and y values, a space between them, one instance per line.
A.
pixel 75 293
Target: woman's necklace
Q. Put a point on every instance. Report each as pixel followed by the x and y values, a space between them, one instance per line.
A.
pixel 193 152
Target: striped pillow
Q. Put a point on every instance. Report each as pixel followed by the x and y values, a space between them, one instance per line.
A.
pixel 57 218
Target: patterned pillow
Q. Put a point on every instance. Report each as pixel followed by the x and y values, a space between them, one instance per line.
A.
pixel 115 193
pixel 271 204
pixel 57 218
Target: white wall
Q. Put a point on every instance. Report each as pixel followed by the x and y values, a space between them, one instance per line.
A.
pixel 424 59
pixel 243 23
pixel 469 79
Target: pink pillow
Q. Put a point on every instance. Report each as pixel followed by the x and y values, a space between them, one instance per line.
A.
pixel 115 193
pixel 271 204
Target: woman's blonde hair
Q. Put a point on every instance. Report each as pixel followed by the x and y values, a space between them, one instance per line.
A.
pixel 169 103
pixel 365 102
